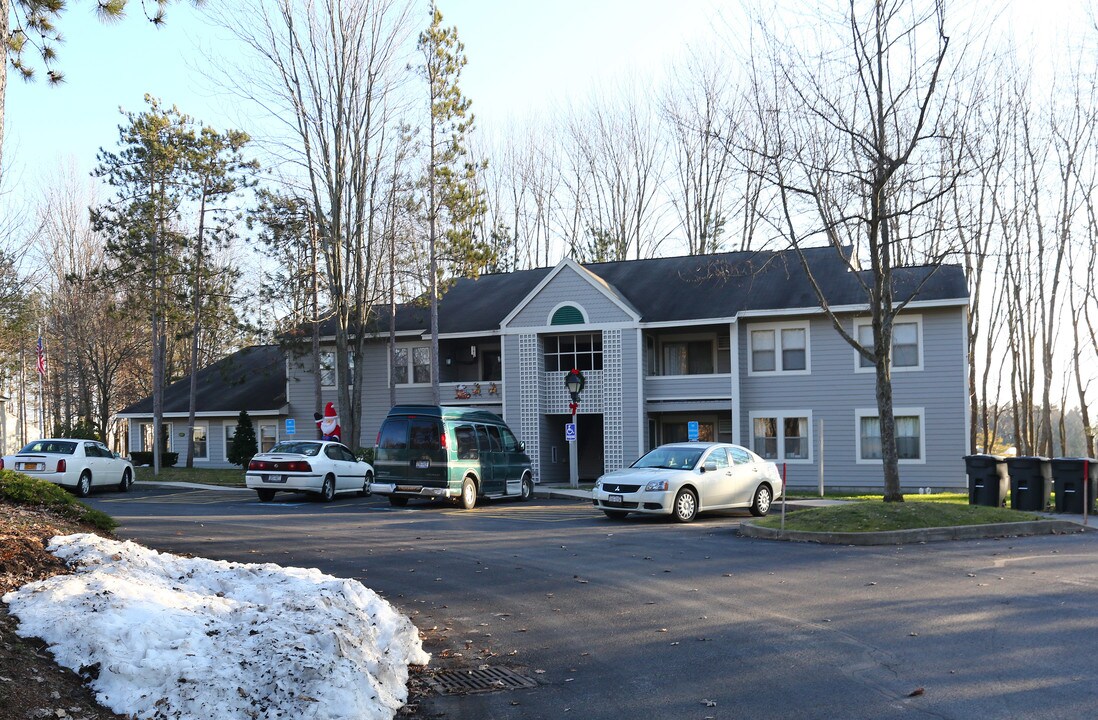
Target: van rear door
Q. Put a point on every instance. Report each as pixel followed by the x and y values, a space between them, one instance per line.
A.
pixel 427 458
pixel 391 457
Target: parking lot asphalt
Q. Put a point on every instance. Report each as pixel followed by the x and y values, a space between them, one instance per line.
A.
pixel 647 618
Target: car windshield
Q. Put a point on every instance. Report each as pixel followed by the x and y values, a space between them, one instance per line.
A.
pixel 52 447
pixel 671 458
pixel 298 448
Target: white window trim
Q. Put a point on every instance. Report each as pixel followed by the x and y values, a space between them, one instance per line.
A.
pixel 171 435
pixel 259 434
pixel 207 426
pixel 321 368
pixel 225 437
pixel 410 347
pixel 917 319
pixel 777 328
pixel 781 416
pixel 896 412
pixel 567 303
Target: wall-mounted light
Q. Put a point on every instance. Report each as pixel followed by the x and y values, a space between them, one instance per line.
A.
pixel 449 361
pixel 473 350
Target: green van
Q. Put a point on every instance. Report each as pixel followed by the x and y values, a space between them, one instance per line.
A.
pixel 440 452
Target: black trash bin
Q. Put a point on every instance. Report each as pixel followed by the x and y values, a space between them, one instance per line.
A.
pixel 1030 480
pixel 987 479
pixel 1067 479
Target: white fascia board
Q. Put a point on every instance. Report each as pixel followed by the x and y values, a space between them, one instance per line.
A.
pixel 593 280
pixel 493 332
pixel 952 302
pixel 686 323
pixel 205 414
pixel 556 329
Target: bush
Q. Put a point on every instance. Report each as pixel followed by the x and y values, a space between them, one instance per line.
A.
pixel 23 490
pixel 366 454
pixel 144 457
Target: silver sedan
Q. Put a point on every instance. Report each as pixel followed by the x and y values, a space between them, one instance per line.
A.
pixel 683 479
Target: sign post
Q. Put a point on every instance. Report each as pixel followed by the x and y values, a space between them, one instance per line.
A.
pixel 291 426
pixel 574 382
pixel 692 431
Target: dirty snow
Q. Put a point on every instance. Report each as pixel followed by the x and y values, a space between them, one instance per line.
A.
pixel 170 637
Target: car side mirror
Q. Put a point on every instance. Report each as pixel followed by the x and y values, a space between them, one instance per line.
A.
pixel 709 467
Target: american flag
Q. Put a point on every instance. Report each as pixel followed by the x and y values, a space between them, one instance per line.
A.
pixel 41 357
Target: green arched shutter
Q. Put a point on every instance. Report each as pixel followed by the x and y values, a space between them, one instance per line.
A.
pixel 567 315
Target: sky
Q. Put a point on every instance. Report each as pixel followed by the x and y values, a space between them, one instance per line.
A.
pixel 525 58
pixel 148 619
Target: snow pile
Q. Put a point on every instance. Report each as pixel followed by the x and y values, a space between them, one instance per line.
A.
pixel 171 637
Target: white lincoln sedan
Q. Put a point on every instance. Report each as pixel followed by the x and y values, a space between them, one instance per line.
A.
pixel 76 464
pixel 683 479
pixel 321 467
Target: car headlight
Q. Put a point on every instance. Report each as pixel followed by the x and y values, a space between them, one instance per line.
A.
pixel 598 484
pixel 656 486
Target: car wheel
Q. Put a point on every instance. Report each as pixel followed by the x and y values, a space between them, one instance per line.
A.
pixel 265 495
pixel 527 491
pixel 84 484
pixel 760 505
pixel 468 494
pixel 366 485
pixel 686 506
pixel 615 514
pixel 127 480
pixel 328 489
pixel 397 501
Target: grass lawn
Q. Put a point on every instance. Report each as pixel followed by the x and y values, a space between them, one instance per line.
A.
pixel 228 477
pixel 879 516
pixel 944 497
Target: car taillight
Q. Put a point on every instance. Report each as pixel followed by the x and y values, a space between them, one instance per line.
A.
pixel 442 440
pixel 257 465
pixel 296 466
pixel 1 463
pixel 62 465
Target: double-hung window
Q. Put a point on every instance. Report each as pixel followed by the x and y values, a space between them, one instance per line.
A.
pixel 907 351
pixel 782 436
pixel 910 445
pixel 780 347
pixel 412 362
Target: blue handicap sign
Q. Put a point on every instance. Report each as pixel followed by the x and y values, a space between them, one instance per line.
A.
pixel 692 430
pixel 569 432
pixel 291 426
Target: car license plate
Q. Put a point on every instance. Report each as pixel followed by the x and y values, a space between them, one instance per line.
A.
pixel 423 464
pixel 28 466
pixel 615 499
pixel 274 478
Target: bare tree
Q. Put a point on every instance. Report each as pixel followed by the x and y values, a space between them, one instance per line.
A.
pixel 854 137
pixel 331 73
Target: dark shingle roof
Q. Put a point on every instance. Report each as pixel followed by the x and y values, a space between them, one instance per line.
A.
pixel 693 287
pixel 252 379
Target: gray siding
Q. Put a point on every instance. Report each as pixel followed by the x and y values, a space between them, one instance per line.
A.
pixel 568 286
pixel 833 391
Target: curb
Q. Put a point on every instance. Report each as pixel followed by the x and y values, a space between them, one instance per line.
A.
pixel 188 485
pixel 918 535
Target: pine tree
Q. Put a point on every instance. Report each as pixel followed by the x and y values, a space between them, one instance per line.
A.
pixel 454 199
pixel 243 445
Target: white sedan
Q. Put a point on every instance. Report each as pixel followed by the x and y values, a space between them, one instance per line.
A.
pixel 683 479
pixel 76 464
pixel 320 467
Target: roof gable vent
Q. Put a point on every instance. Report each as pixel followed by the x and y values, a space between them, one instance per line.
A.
pixel 567 315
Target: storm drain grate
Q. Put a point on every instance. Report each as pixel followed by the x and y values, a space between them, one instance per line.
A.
pixel 456 682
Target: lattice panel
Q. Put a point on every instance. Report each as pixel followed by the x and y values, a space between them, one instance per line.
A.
pixel 612 413
pixel 530 399
pixel 555 396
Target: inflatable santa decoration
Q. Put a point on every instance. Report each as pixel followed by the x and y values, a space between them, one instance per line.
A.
pixel 328 424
